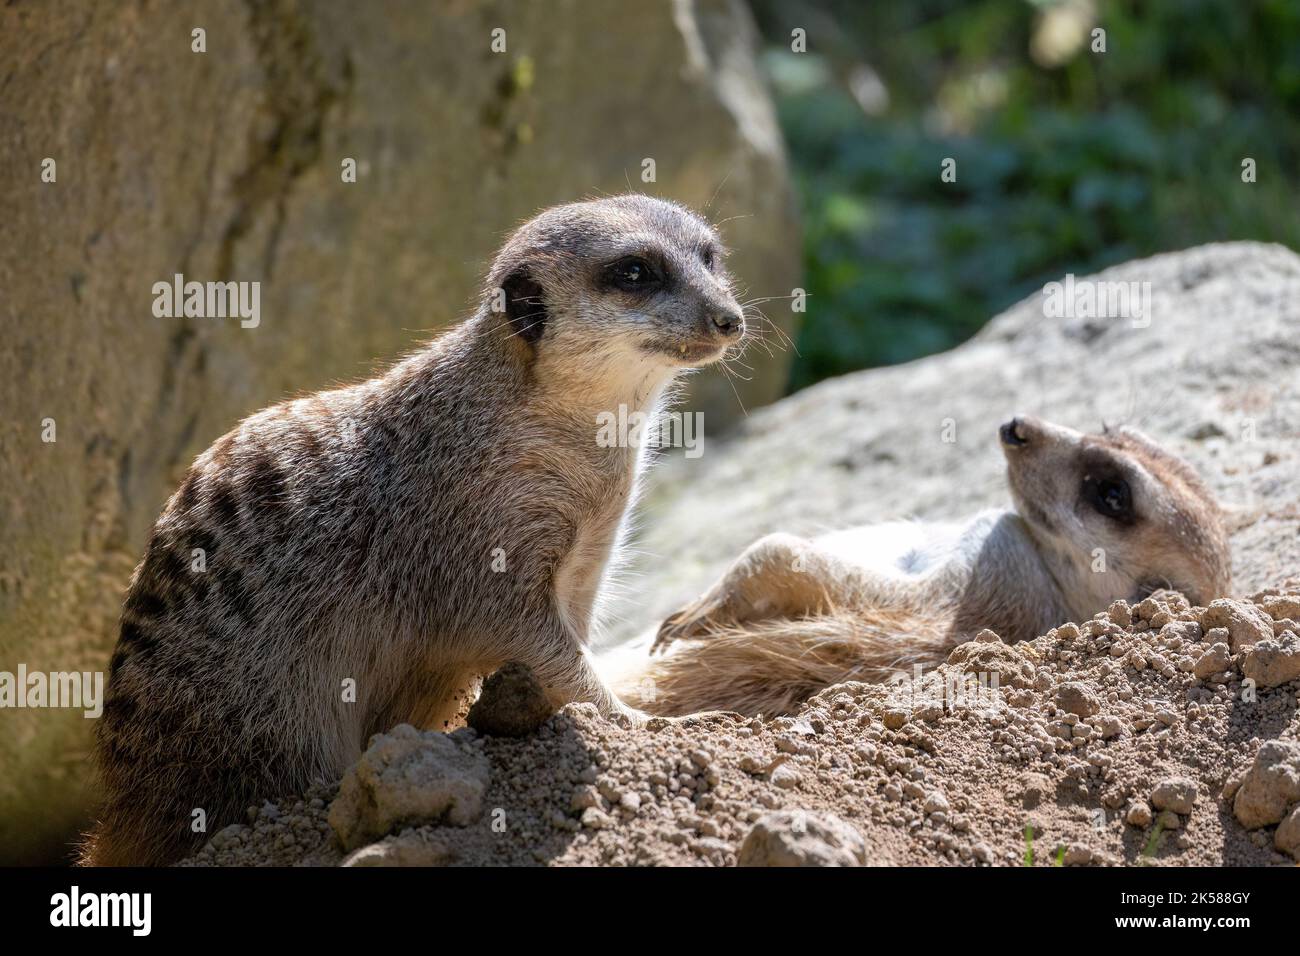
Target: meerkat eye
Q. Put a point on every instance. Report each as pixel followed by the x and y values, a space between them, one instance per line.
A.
pixel 633 275
pixel 707 257
pixel 1110 497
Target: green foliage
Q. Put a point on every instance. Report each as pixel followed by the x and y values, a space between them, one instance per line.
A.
pixel 1100 158
pixel 1153 844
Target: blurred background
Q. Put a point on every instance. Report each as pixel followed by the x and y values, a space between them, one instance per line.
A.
pixel 1068 160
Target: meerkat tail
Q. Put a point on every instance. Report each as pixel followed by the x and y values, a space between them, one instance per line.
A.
pixel 142 827
pixel 769 667
pixel 107 844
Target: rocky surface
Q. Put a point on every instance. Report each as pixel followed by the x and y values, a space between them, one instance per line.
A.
pixel 227 165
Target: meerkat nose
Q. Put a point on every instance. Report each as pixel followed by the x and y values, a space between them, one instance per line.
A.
pixel 1013 433
pixel 728 323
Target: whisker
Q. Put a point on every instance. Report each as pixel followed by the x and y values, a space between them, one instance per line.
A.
pixel 718 190
pixel 734 390
pixel 747 215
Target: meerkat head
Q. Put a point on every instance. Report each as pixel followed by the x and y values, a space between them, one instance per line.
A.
pixel 1116 515
pixel 629 280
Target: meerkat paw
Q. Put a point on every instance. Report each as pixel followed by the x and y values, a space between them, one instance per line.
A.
pixel 691 622
pixel 629 718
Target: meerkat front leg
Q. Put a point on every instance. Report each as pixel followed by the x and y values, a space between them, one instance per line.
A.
pixel 780 575
pixel 562 668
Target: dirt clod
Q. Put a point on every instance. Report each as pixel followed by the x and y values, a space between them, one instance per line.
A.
pixel 1175 793
pixel 1139 814
pixel 1273 661
pixel 1245 623
pixel 511 704
pixel 1287 838
pixel 409 776
pixel 797 838
pixel 1076 697
pixel 1270 786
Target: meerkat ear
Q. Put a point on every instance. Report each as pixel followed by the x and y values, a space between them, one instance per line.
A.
pixel 525 305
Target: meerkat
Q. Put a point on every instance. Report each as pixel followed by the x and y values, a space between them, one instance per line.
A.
pixel 396 538
pixel 1096 518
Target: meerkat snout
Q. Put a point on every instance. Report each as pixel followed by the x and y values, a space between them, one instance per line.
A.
pixel 727 322
pixel 1013 433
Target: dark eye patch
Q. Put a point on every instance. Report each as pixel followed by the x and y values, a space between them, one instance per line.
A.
pixel 635 274
pixel 1108 493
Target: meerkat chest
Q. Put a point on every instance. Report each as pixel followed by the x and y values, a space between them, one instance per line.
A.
pixel 582 567
pixel 906 550
pixel 601 483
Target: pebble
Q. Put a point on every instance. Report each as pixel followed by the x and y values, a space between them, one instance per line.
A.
pixel 701 758
pixel 785 777
pixel 1139 814
pixel 1245 623
pixel 1076 854
pixel 1168 820
pixel 1175 793
pixel 1287 837
pixel 1216 660
pixel 935 802
pixel 595 819
pixel 895 717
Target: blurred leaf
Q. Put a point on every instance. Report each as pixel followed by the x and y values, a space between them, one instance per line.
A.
pixel 1109 157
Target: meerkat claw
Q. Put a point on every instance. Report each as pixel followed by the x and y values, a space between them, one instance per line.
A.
pixel 679 626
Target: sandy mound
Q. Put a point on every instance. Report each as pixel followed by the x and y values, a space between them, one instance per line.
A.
pixel 1133 738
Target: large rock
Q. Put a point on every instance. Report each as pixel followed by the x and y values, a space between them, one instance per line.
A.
pixel 1213 376
pixel 511 703
pixel 1270 786
pixel 408 777
pixel 1274 661
pixel 800 838
pixel 226 165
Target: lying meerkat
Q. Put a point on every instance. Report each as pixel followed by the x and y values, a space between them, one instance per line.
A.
pixel 403 535
pixel 1096 518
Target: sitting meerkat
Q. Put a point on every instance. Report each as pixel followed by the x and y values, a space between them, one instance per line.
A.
pixel 397 538
pixel 1096 518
